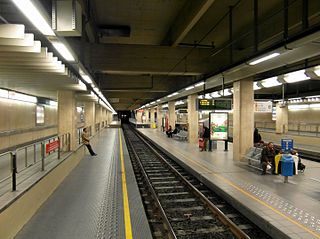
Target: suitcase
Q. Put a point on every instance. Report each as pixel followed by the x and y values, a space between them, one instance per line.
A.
pixel 201 144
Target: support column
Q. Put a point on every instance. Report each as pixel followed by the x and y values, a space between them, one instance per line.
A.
pixel 243 117
pixel 152 115
pixel 90 114
pixel 282 119
pixel 146 113
pixel 101 116
pixel 172 114
pixel 159 118
pixel 98 117
pixel 139 116
pixel 193 118
pixel 67 116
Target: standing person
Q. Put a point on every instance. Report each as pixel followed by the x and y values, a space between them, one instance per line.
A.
pixel 86 141
pixel 268 157
pixel 206 136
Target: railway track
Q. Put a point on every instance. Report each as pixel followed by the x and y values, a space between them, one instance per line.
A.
pixel 177 204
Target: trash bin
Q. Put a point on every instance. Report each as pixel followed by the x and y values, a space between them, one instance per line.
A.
pixel 287 166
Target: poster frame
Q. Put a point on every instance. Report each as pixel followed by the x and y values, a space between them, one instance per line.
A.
pixel 227 126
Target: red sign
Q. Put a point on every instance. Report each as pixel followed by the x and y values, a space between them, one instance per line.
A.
pixel 52 146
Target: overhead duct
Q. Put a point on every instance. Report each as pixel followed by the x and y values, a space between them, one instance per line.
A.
pixel 67 17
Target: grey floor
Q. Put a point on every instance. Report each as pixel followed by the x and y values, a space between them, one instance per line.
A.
pixel 88 204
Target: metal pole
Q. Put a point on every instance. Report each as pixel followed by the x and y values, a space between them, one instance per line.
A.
pixel 285 19
pixel 59 149
pixel 26 157
pixel 34 153
pixel 226 145
pixel 42 155
pixel 14 171
pixel 286 179
pixel 305 13
pixel 255 25
pixel 230 33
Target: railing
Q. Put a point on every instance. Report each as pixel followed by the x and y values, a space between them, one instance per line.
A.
pixel 32 158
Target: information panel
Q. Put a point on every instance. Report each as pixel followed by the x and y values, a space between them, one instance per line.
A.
pixel 39 115
pixel 286 145
pixel 208 104
pixel 219 126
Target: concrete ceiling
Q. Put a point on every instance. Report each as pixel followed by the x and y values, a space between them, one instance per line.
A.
pixel 139 51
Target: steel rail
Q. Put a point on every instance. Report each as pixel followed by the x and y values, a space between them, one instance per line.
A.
pixel 224 219
pixel 167 224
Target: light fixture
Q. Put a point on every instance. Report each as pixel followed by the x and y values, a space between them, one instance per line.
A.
pixel 270 82
pixel 22 97
pixel 87 79
pixel 79 109
pixel 315 106
pixel 255 86
pixel 4 93
pixel 296 76
pixel 179 102
pixel 34 16
pixel 199 84
pixel 173 94
pixel 200 97
pixel 225 92
pixel 158 100
pixel 190 87
pixel 215 94
pixel 265 58
pixel 53 103
pixel 317 70
pixel 207 96
pixel 82 85
pixel 165 106
pixel 63 50
pixel 298 107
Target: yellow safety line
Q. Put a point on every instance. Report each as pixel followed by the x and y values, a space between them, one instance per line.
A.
pixel 254 198
pixel 126 212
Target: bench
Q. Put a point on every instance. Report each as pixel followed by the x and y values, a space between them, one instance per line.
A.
pixel 182 134
pixel 254 157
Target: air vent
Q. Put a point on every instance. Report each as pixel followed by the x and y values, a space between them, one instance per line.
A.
pixel 114 31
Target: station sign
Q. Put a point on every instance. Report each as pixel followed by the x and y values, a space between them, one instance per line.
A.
pixel 219 126
pixel 52 146
pixel 286 145
pixel 210 104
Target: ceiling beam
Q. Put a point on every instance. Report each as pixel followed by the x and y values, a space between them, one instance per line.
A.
pixel 188 17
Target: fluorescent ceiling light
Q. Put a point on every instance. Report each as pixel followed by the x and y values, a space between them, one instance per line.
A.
pixel 34 16
pixel 173 94
pixel 317 70
pixel 313 96
pixel 270 82
pixel 165 106
pixel 82 85
pixel 158 100
pixel 22 97
pixel 215 94
pixel 53 103
pixel 255 86
pixel 200 97
pixel 190 87
pixel 87 79
pixel 296 76
pixel 226 92
pixel 79 109
pixel 207 96
pixel 265 58
pixel 179 102
pixel 4 93
pixel 298 107
pixel 199 84
pixel 315 106
pixel 63 50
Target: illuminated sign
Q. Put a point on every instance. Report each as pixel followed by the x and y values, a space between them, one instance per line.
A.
pixel 207 104
pixel 219 126
pixel 39 115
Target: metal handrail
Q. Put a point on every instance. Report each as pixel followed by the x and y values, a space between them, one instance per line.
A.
pixel 10 160
pixel 64 145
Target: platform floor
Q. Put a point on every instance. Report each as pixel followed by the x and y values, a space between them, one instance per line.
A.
pixel 284 210
pixel 90 201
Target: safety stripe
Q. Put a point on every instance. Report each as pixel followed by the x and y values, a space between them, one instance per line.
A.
pixel 126 211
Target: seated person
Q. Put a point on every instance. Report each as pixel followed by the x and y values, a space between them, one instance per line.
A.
pixel 175 131
pixel 267 157
pixel 169 132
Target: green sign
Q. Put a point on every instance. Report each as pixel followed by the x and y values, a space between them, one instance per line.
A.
pixel 205 104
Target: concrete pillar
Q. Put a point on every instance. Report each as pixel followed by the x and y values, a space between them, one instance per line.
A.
pixel 139 116
pixel 172 114
pixel 101 115
pixel 282 119
pixel 159 118
pixel 146 113
pixel 193 118
pixel 152 120
pixel 109 117
pixel 67 116
pixel 243 117
pixel 98 116
pixel 90 115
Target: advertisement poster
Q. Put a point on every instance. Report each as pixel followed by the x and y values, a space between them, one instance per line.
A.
pixel 218 126
pixel 263 106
